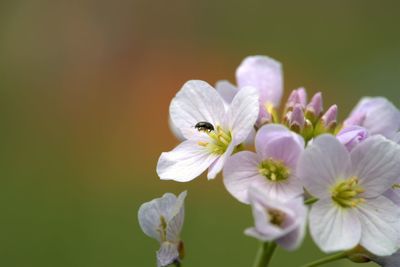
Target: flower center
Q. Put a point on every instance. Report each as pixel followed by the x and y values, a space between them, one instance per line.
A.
pixel 162 229
pixel 346 193
pixel 274 170
pixel 276 217
pixel 220 140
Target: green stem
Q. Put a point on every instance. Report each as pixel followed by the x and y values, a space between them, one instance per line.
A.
pixel 327 259
pixel 310 201
pixel 264 254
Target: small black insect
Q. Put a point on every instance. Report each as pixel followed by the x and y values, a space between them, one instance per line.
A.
pixel 204 126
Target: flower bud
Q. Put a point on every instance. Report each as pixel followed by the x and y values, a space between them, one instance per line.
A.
pixel 298 96
pixel 314 108
pixel 328 121
pixel 296 120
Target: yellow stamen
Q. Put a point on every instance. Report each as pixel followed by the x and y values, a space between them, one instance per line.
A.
pixel 346 193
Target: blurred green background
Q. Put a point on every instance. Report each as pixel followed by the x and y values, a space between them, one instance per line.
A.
pixel 84 94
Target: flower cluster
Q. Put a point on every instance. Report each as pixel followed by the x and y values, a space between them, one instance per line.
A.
pixel 297 167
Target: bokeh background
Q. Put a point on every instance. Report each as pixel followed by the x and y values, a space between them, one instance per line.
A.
pixel 84 93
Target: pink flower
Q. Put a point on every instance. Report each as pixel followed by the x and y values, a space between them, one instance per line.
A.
pixel 277 220
pixel 272 167
pixel 377 114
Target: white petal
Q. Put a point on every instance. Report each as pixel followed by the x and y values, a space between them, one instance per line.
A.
pixel 380 226
pixel 322 164
pixel 197 101
pixel 187 161
pixel 376 163
pixel 177 133
pixel 252 232
pixel 265 74
pixel 242 114
pixel 396 138
pixel 334 228
pixel 240 171
pixel 167 254
pixel 393 195
pixel 149 219
pixel 218 164
pixel 226 90
pixel 175 222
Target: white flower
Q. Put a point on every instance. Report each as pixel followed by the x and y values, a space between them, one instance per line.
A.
pixel 277 220
pixel 272 167
pixel 394 193
pixel 377 114
pixel 197 102
pixel 264 74
pixel 261 72
pixel 351 209
pixel 162 219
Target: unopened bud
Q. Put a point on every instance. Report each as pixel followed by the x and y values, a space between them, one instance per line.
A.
pixel 298 96
pixel 328 121
pixel 296 121
pixel 314 108
pixel 302 96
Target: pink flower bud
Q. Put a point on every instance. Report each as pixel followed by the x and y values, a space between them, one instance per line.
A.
pixel 315 107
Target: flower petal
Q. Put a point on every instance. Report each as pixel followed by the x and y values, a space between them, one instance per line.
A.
pixel 187 161
pixel 168 206
pixel 376 163
pixel 393 195
pixel 334 228
pixel 218 164
pixel 352 136
pixel 167 254
pixel 175 131
pixel 289 232
pixel 323 163
pixel 177 215
pixel 380 226
pixel 149 219
pixel 377 114
pixel 197 101
pixel 239 173
pixel 396 138
pixel 277 142
pixel 226 90
pixel 263 73
pixel 242 114
pixel 293 240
